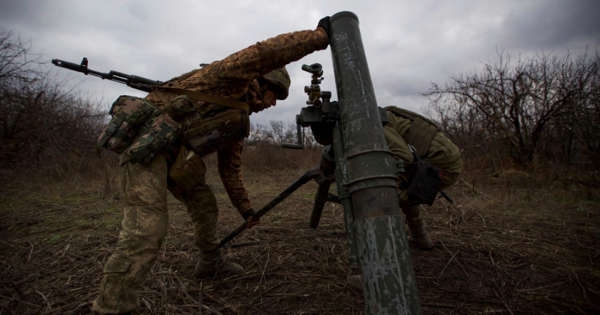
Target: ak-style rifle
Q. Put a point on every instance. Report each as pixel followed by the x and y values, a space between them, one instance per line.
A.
pixel 134 81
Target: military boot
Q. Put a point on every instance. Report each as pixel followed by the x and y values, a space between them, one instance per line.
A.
pixel 212 264
pixel 419 235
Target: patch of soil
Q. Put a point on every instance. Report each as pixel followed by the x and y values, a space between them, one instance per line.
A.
pixel 500 249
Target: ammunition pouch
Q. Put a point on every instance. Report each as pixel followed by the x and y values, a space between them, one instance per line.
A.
pixel 138 130
pixel 158 134
pixel 202 133
pixel 128 115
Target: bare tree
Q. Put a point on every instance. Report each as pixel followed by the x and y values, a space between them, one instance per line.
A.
pixel 517 103
pixel 579 124
pixel 37 119
pixel 15 62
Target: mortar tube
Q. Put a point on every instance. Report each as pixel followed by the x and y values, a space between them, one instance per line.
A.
pixel 366 169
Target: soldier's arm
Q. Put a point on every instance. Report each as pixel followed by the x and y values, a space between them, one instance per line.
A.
pixel 255 60
pixel 230 170
pixel 393 131
pixel 274 53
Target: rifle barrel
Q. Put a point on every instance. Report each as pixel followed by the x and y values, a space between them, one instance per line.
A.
pixel 133 81
pixel 69 65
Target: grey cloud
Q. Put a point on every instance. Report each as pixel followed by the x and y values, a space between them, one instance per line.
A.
pixel 17 10
pixel 409 44
pixel 551 24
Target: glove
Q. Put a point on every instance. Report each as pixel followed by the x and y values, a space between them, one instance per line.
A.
pixel 250 219
pixel 326 25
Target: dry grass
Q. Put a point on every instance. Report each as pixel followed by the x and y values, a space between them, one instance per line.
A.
pixel 512 243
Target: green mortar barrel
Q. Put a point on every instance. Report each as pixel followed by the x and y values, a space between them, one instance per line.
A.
pixel 366 170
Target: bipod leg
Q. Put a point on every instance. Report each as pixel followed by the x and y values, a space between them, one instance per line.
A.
pixel 284 194
pixel 321 198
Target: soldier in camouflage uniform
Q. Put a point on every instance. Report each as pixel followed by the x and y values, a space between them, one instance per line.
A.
pixel 211 104
pixel 407 128
pixel 404 129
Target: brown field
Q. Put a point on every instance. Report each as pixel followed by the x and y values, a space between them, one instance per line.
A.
pixel 513 243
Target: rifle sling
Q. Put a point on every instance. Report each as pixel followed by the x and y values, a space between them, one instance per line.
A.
pixel 202 96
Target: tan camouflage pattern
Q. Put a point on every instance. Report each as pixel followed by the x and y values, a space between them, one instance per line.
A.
pixel 204 134
pixel 145 218
pixel 187 183
pixel 232 76
pixel 143 229
pixel 229 159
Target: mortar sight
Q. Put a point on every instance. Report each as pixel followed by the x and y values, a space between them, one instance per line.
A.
pixel 316 69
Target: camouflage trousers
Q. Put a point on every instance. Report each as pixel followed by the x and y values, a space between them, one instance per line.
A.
pixel 145 223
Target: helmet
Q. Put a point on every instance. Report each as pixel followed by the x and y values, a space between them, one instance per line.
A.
pixel 279 79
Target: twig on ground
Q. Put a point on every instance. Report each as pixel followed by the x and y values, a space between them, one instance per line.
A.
pixel 264 270
pixel 48 306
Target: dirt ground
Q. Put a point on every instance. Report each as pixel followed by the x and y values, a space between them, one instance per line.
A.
pixel 511 244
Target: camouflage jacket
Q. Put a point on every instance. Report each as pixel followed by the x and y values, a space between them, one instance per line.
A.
pixel 405 127
pixel 230 78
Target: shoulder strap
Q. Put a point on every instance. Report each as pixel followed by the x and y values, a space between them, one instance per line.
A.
pixel 201 96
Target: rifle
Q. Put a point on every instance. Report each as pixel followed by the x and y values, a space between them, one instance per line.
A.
pixel 134 81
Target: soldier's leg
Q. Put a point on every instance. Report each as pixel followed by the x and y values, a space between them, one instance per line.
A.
pixel 143 228
pixel 417 227
pixel 444 155
pixel 187 183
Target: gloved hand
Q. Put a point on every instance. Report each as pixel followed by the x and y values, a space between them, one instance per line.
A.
pixel 250 217
pixel 325 24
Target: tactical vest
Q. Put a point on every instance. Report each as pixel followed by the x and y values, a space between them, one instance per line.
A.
pixel 421 130
pixel 207 125
pixel 137 130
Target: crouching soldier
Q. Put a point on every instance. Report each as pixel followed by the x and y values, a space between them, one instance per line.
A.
pixel 411 137
pixel 431 162
pixel 162 145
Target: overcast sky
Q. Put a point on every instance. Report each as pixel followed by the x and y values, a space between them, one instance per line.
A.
pixel 408 44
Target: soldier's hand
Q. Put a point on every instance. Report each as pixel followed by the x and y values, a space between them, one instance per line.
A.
pixel 251 219
pixel 325 24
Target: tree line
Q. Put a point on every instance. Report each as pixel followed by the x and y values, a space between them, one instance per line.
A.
pixel 545 107
pixel 38 120
pixel 540 108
